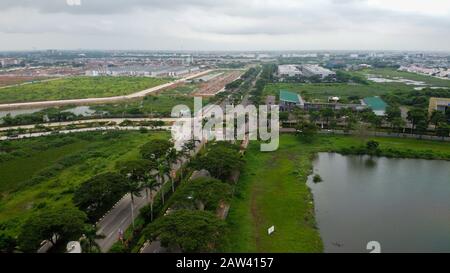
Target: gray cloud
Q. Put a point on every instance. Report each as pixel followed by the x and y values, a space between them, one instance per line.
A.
pixel 226 24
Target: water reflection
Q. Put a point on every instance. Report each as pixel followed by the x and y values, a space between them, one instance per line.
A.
pixel 402 203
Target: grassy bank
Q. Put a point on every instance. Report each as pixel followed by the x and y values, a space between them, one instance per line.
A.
pixel 77 88
pixel 273 191
pixel 44 172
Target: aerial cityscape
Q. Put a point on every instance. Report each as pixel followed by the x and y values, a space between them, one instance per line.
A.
pixel 311 137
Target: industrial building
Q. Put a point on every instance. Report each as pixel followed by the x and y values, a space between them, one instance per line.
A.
pixel 439 104
pixel 143 70
pixel 311 70
pixel 289 70
pixel 306 70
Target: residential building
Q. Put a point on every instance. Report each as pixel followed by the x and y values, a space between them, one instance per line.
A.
pixel 439 104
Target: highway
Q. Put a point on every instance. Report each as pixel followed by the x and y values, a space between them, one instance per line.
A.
pixel 140 94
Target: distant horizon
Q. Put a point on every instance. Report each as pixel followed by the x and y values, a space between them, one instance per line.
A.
pixel 232 50
pixel 226 25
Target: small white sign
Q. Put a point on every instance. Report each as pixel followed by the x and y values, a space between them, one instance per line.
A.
pixel 271 230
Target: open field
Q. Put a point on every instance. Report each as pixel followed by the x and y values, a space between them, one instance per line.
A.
pixel 13 80
pixel 77 88
pixel 43 172
pixel 272 191
pixel 391 73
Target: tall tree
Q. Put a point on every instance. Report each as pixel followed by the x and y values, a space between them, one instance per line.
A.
pixel 53 225
pixel 98 194
pixel 415 116
pixel 172 157
pixel 151 185
pixel 437 117
pixel 163 171
pixel 134 188
pixel 155 149
pixel 327 114
pixel 89 240
pixel 307 131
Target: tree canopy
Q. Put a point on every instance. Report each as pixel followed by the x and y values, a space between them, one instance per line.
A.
pixel 156 149
pixel 221 160
pixel 98 194
pixel 203 193
pixel 64 223
pixel 189 230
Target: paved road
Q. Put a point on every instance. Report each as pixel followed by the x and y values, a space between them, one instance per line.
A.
pixel 140 94
pixel 119 217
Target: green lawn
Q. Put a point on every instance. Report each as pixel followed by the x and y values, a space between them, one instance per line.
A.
pixel 78 88
pixel 45 171
pixel 272 191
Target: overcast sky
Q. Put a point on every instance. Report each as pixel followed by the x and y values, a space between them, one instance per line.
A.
pixel 225 24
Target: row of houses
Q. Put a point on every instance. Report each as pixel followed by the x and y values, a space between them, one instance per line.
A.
pixel 289 100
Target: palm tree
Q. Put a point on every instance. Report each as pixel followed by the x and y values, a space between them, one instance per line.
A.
pixel 172 158
pixel 134 189
pixel 90 236
pixel 162 171
pixel 151 184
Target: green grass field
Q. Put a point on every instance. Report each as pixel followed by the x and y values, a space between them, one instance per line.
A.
pixel 78 88
pixel 272 191
pixel 161 103
pixel 43 172
pixel 391 73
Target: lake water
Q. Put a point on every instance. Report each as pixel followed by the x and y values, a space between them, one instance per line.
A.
pixel 404 204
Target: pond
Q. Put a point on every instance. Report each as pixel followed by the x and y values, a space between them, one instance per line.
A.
pixel 403 204
pixel 17 112
pixel 84 111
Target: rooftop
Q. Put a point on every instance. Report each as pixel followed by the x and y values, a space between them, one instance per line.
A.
pixel 289 96
pixel 375 103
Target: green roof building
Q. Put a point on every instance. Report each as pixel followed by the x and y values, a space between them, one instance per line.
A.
pixel 288 100
pixel 377 105
pixel 288 96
